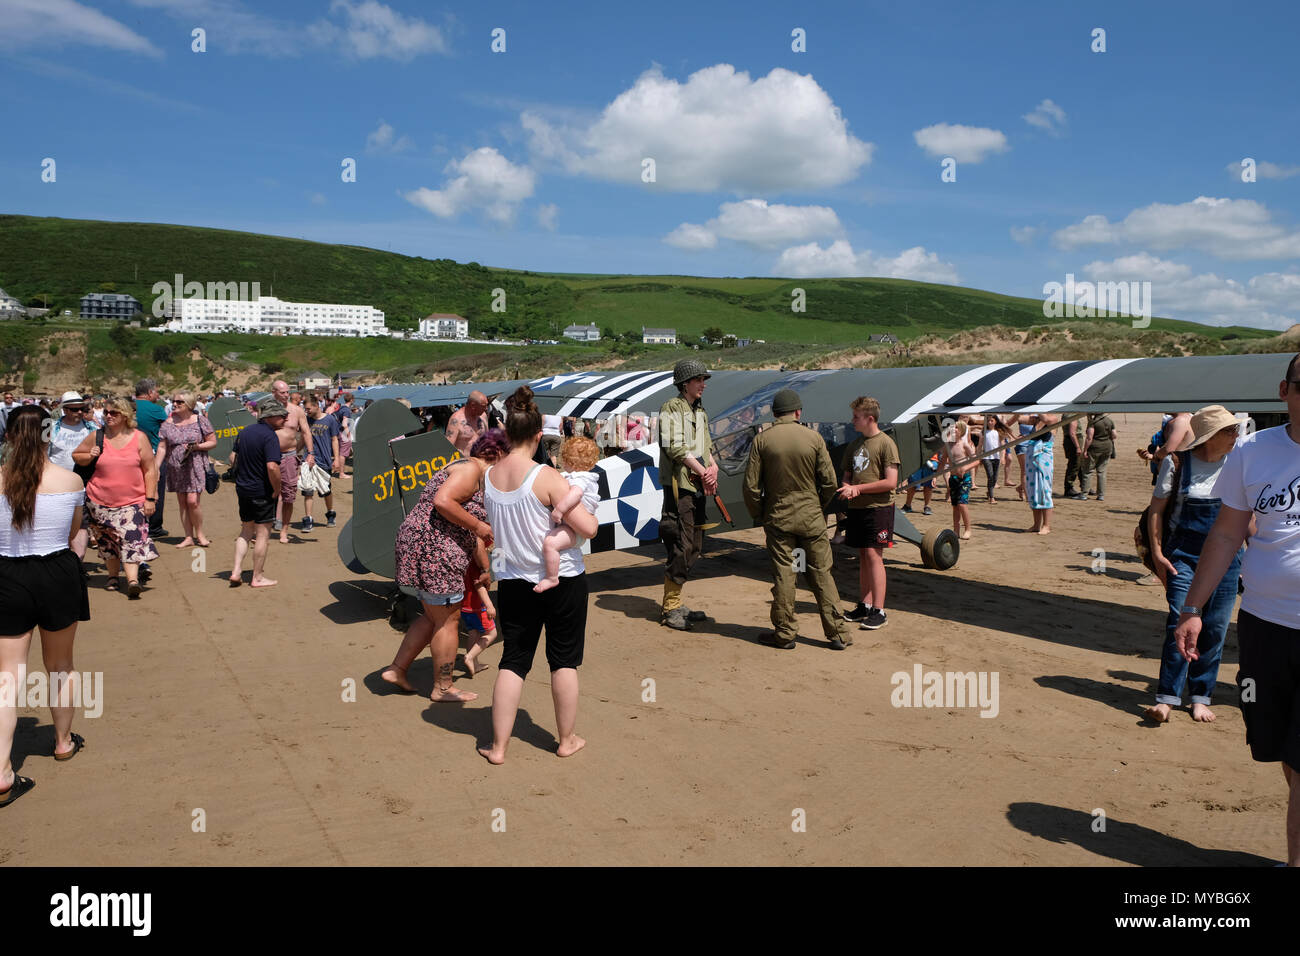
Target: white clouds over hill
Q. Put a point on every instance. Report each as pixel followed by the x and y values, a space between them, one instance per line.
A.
pixel 1228 228
pixel 484 180
pixel 839 259
pixel 720 130
pixel 758 223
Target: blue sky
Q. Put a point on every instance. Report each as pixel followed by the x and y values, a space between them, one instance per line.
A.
pixel 1115 165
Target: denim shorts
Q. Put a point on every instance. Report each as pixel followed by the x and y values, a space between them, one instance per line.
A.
pixel 438 600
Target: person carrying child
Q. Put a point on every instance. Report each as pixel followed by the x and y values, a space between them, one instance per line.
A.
pixel 578 456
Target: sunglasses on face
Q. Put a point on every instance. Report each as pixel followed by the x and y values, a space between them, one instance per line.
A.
pixel 111 411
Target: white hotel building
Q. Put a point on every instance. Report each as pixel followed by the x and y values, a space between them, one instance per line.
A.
pixel 271 316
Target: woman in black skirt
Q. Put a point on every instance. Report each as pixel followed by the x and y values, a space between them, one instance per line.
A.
pixel 40 585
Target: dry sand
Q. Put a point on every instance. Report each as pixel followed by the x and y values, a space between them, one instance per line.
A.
pixel 232 702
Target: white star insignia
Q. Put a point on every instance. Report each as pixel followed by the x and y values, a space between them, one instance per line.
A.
pixel 860 461
pixel 648 502
pixel 555 381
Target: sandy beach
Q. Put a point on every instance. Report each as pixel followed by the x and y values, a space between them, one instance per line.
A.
pixel 235 703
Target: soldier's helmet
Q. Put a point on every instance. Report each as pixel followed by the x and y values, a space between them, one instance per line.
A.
pixel 687 369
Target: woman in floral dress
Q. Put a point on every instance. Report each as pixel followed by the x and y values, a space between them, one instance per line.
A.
pixel 183 440
pixel 433 550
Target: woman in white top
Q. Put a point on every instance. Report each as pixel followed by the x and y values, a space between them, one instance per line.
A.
pixel 41 584
pixel 519 495
pixel 992 459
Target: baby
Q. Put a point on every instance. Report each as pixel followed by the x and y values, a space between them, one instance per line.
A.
pixel 579 456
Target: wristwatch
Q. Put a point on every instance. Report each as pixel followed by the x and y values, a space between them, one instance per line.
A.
pixel 151 499
pixel 1191 609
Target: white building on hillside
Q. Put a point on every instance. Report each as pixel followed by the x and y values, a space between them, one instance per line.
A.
pixel 271 316
pixel 583 333
pixel 658 336
pixel 10 307
pixel 444 325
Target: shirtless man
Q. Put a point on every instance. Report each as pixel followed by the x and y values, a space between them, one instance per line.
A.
pixel 468 423
pixel 294 434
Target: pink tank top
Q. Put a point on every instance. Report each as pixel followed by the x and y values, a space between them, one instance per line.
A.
pixel 118 480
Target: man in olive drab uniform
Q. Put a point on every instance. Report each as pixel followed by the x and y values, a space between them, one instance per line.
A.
pixel 1098 449
pixel 689 475
pixel 788 484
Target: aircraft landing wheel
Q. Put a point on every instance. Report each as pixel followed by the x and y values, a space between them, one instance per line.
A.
pixel 939 549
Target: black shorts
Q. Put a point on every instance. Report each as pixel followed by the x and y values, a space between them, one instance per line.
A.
pixel 870 527
pixel 45 591
pixel 521 612
pixel 1270 657
pixel 256 510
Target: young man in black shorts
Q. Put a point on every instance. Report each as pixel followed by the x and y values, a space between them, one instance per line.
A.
pixel 870 474
pixel 1258 490
pixel 256 461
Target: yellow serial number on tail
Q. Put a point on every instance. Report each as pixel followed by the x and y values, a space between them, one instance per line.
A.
pixel 409 476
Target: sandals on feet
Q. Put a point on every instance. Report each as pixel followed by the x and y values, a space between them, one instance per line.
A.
pixel 113 584
pixel 133 590
pixel 77 743
pixel 20 786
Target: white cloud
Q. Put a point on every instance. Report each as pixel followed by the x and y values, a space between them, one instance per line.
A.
pixel 483 180
pixel 718 130
pixel 1270 300
pixel 1047 116
pixel 758 223
pixel 374 30
pixel 966 144
pixel 548 216
pixel 384 140
pixel 232 27
pixel 839 259
pixel 28 24
pixel 1024 234
pixel 692 237
pixel 1227 228
pixel 1263 170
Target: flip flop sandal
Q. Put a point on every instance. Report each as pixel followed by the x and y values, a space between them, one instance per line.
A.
pixel 113 584
pixel 77 743
pixel 20 786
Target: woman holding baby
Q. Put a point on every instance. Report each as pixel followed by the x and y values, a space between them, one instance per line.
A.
pixel 527 502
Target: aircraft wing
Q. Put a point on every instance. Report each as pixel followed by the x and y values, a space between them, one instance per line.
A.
pixel 423 395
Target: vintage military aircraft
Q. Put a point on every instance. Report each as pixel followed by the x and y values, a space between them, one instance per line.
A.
pixel 393 457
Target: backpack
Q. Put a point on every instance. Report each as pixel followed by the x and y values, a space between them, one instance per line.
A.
pixel 1142 533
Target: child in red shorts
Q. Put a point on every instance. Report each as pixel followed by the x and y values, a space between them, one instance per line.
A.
pixel 478 615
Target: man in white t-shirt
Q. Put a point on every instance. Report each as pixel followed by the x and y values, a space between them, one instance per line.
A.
pixel 68 433
pixel 1261 477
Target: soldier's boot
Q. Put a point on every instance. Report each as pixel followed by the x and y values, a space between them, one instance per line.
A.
pixel 674 615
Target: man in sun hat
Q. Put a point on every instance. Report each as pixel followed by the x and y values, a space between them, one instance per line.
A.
pixel 1260 482
pixel 689 475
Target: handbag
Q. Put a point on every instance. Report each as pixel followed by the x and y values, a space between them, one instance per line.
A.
pixel 1142 533
pixel 211 480
pixel 86 472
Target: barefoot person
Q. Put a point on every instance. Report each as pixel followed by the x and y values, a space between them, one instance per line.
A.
pixel 1259 478
pixel 520 496
pixel 433 549
pixel 295 436
pixel 40 585
pixel 1182 511
pixel 477 612
pixel 256 463
pixel 121 496
pixel 579 456
pixel 1040 466
pixel 869 474
pixel 182 440
pixel 959 453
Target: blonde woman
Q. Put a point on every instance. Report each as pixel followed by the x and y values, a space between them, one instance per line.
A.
pixel 121 495
pixel 183 438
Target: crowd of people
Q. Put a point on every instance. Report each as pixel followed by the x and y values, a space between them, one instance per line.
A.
pixel 503 513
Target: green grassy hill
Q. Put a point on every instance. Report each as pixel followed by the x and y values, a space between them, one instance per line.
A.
pixel 63 259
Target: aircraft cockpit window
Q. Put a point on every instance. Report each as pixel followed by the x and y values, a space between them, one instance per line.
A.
pixel 758 404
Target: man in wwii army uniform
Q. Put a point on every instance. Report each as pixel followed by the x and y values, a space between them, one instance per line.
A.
pixel 788 484
pixel 689 476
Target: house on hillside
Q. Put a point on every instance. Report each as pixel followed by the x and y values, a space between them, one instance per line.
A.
pixel 444 325
pixel 109 305
pixel 314 381
pixel 10 308
pixel 583 333
pixel 658 336
pixel 884 339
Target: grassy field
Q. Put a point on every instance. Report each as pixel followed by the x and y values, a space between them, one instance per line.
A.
pixel 56 261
